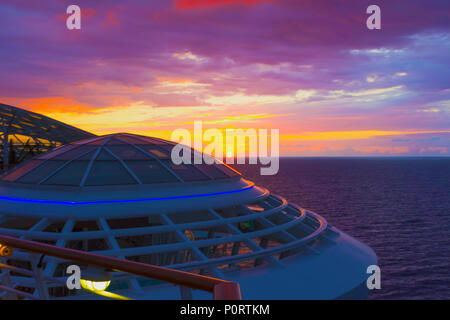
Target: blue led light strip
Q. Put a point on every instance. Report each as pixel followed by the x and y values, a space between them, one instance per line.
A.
pixel 121 201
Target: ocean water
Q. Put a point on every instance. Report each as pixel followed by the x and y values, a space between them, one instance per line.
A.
pixel 398 206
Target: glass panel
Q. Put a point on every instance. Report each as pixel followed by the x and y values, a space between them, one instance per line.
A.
pixel 75 153
pixel 228 170
pixel 211 159
pixel 105 155
pixel 130 140
pixel 98 142
pixel 128 153
pixel 187 172
pixel 151 172
pixel 26 167
pixel 167 147
pixel 159 153
pixel 57 151
pixel 70 175
pixel 156 151
pixel 167 150
pixel 212 171
pixel 115 141
pixel 87 156
pixel 108 173
pixel 148 140
pixel 40 172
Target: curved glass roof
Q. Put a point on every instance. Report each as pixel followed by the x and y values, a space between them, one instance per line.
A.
pixel 117 159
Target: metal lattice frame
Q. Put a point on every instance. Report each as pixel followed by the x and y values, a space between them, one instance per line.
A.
pixel 24 134
pixel 289 219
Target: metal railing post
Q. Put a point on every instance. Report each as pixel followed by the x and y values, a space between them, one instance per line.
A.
pixel 38 276
pixel 227 291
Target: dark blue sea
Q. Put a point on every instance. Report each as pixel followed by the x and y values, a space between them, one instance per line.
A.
pixel 398 206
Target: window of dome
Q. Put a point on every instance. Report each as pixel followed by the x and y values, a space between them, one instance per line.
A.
pixel 41 172
pixel 212 171
pixel 187 172
pixel 108 173
pixel 151 172
pixel 69 175
pixel 21 170
pixel 105 156
pixel 125 152
pixel 57 151
pixel 160 154
pixel 74 153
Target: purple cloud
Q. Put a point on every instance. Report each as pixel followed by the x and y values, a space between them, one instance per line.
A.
pixel 245 47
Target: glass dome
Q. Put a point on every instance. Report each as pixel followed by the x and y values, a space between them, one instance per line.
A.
pixel 117 159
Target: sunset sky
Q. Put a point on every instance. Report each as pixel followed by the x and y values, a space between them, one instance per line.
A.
pixel 311 69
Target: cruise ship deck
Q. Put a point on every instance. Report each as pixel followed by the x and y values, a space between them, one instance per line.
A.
pixel 120 196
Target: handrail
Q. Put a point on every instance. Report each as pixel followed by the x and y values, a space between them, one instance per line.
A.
pixel 221 289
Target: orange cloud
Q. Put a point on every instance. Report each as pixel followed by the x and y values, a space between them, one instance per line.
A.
pixel 173 80
pixel 48 104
